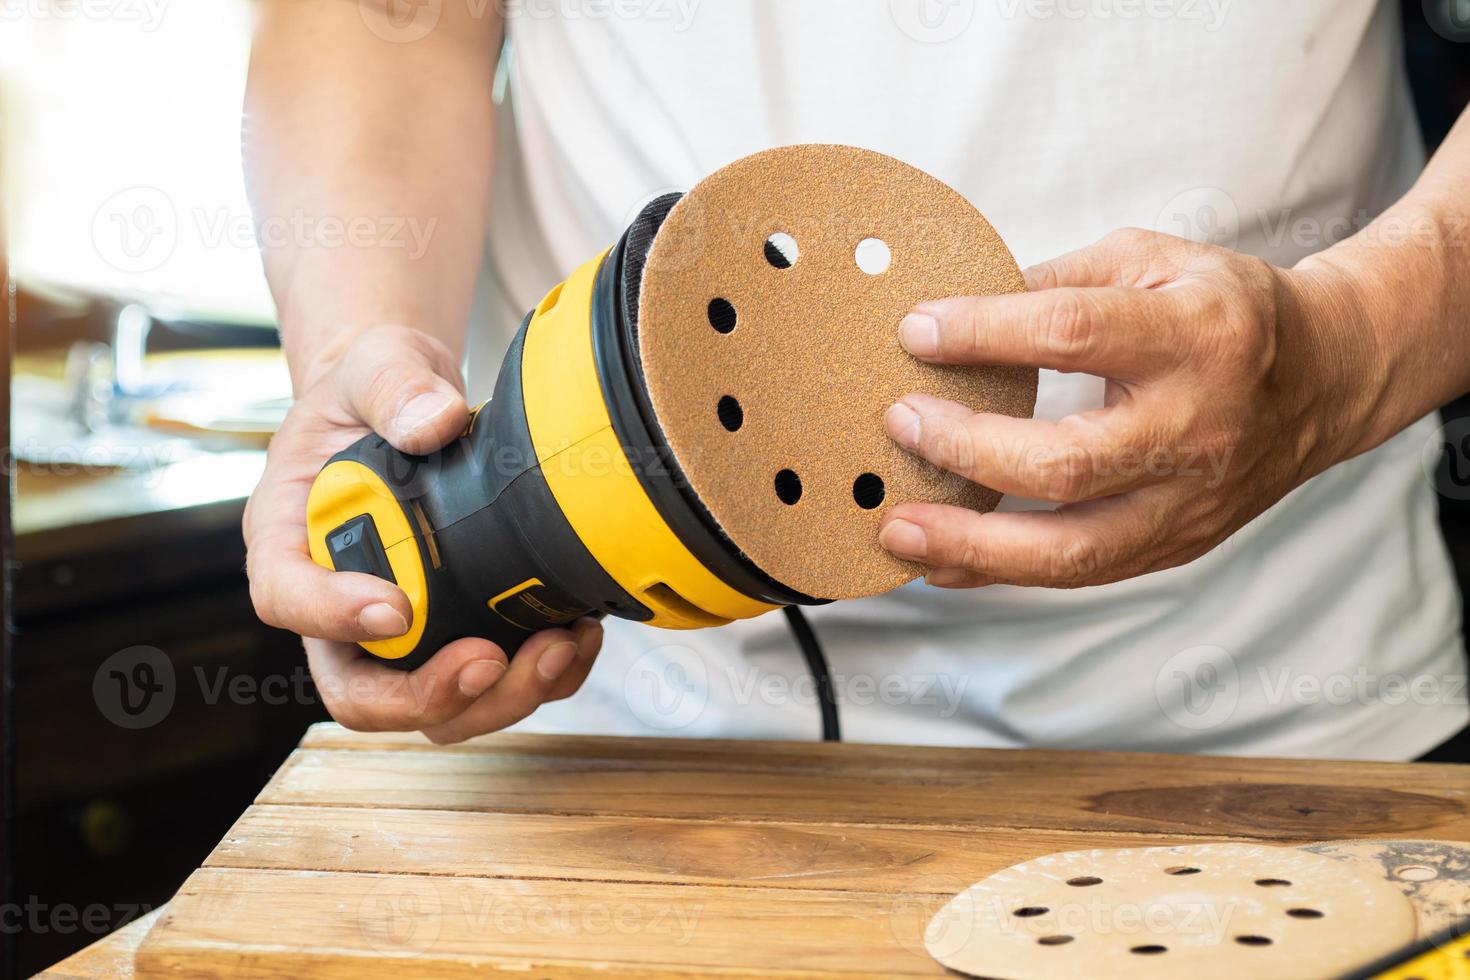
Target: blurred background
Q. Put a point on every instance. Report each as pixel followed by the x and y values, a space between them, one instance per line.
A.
pixel 144 381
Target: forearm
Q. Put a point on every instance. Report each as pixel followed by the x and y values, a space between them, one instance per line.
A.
pixel 368 164
pixel 1404 282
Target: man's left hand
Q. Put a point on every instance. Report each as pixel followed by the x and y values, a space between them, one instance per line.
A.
pixel 1229 383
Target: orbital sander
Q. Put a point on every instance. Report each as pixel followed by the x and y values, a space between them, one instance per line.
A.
pixel 688 430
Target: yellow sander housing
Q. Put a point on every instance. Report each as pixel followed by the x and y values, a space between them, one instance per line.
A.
pixel 560 500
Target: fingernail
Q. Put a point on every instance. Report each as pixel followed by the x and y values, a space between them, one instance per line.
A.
pixel 420 411
pixel 919 334
pixel 555 659
pixel 381 619
pixel 476 677
pixel 589 635
pixel 903 425
pixel 904 539
pixel 945 577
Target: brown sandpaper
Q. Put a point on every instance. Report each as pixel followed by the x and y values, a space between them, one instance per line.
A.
pixel 813 358
pixel 1206 912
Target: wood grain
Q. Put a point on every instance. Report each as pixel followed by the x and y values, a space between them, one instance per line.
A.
pixel 621 849
pixel 888 786
pixel 288 921
pixel 574 856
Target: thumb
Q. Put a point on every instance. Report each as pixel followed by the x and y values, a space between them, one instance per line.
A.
pixel 406 386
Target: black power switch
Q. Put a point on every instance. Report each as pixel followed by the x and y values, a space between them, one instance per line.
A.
pixel 356 547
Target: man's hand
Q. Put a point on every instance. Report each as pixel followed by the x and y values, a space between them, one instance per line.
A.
pixel 1229 383
pixel 404 385
pixel 377 132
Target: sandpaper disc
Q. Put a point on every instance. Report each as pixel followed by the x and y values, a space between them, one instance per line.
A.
pixel 1433 874
pixel 771 355
pixel 1203 911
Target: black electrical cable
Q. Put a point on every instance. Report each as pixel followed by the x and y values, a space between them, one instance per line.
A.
pixel 816 662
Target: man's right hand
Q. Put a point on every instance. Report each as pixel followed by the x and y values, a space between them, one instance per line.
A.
pixel 404 385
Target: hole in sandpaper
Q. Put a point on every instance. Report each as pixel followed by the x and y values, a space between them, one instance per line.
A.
pixel 788 487
pixel 732 416
pixel 1416 872
pixel 868 491
pixel 1084 881
pixel 721 314
pixel 873 256
pixel 781 250
pixel 1031 911
pixel 1181 869
pixel 1054 940
pixel 1253 940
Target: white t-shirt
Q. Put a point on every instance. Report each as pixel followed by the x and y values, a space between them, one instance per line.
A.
pixel 1327 627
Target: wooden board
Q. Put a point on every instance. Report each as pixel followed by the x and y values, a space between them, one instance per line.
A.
pixel 110 958
pixel 650 849
pixel 568 856
pixel 841 784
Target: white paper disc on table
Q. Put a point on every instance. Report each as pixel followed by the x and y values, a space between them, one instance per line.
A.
pixel 1204 912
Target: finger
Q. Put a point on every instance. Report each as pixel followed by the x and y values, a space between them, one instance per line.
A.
pixel 1123 258
pixel 1110 332
pixel 1090 544
pixel 405 386
pixel 365 694
pixel 1083 456
pixel 533 673
pixel 589 643
pixel 292 592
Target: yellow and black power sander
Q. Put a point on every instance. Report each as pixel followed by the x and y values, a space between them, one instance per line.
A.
pixel 564 498
pixel 559 500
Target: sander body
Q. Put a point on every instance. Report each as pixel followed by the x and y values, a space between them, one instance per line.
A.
pixel 560 500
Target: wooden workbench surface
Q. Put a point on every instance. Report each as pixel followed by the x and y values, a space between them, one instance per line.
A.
pixel 570 856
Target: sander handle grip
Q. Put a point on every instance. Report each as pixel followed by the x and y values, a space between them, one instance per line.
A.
pixel 449 529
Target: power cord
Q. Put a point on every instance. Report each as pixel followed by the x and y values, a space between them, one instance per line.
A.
pixel 816 662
